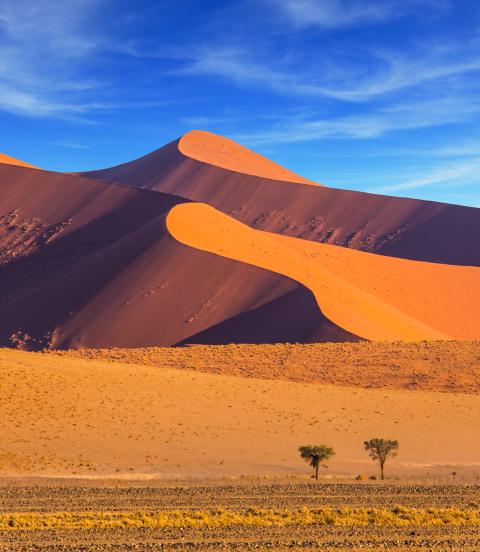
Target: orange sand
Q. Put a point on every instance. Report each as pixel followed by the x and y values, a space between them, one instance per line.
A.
pixel 221 152
pixel 64 416
pixel 372 296
pixel 7 160
pixel 448 366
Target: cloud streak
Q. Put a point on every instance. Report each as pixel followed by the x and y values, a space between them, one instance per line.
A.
pixel 371 124
pixel 48 52
pixel 43 47
pixel 449 174
pixel 353 83
pixel 331 14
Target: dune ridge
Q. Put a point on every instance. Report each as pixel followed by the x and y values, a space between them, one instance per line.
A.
pixel 91 264
pixel 393 226
pixel 218 151
pixel 341 280
pixel 7 160
pixel 86 262
pixel 446 366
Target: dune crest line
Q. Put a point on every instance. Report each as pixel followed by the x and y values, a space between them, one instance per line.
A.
pixel 356 309
pixel 207 168
pixel 219 151
pixel 7 160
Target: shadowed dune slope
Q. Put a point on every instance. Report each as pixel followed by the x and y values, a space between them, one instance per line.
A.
pixel 86 263
pixel 194 168
pixel 292 318
pixel 7 160
pixel 372 296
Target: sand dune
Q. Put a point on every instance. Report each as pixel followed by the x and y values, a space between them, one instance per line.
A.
pixel 7 160
pixel 371 296
pixel 197 168
pixel 221 152
pixel 88 263
pixel 63 416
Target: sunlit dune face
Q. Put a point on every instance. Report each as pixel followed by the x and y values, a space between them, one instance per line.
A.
pixel 372 296
pixel 5 159
pixel 221 152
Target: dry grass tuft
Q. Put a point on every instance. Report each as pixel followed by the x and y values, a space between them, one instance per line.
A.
pixel 344 517
pixel 448 366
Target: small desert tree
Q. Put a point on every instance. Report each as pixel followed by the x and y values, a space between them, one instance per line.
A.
pixel 315 455
pixel 381 449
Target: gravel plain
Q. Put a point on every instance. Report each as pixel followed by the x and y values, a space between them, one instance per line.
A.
pixel 123 496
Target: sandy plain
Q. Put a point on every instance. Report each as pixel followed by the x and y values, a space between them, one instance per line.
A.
pixel 61 415
pixel 195 448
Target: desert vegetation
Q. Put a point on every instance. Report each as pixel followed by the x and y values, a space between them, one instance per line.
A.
pixel 380 450
pixel 446 366
pixel 218 517
pixel 315 455
pixel 252 515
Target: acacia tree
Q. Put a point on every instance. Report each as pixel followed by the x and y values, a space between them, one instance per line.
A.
pixel 315 455
pixel 381 449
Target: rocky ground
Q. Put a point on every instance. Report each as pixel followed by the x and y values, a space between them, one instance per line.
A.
pixel 123 496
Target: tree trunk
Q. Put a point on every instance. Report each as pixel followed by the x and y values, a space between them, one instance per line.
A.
pixel 316 472
pixel 381 471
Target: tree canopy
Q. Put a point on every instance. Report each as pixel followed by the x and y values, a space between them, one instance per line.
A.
pixel 380 449
pixel 315 455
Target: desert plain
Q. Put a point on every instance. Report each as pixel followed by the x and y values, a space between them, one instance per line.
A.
pixel 196 447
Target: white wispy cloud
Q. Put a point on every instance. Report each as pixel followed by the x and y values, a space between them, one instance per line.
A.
pixel 385 92
pixel 369 124
pixel 353 82
pixel 47 53
pixel 451 174
pixel 42 48
pixel 70 145
pixel 468 148
pixel 330 14
pixel 337 13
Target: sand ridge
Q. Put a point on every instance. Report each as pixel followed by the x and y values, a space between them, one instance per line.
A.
pixel 90 264
pixel 7 160
pixel 218 151
pixel 446 366
pixel 137 286
pixel 400 227
pixel 353 289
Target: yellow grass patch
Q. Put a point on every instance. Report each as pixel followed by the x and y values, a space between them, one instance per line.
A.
pixel 396 517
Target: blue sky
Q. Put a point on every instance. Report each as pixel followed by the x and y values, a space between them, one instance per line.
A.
pixel 375 95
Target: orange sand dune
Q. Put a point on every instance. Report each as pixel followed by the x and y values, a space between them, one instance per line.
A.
pixel 371 296
pixel 7 160
pixel 221 152
pixel 91 264
pixel 445 297
pixel 70 416
pixel 206 168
